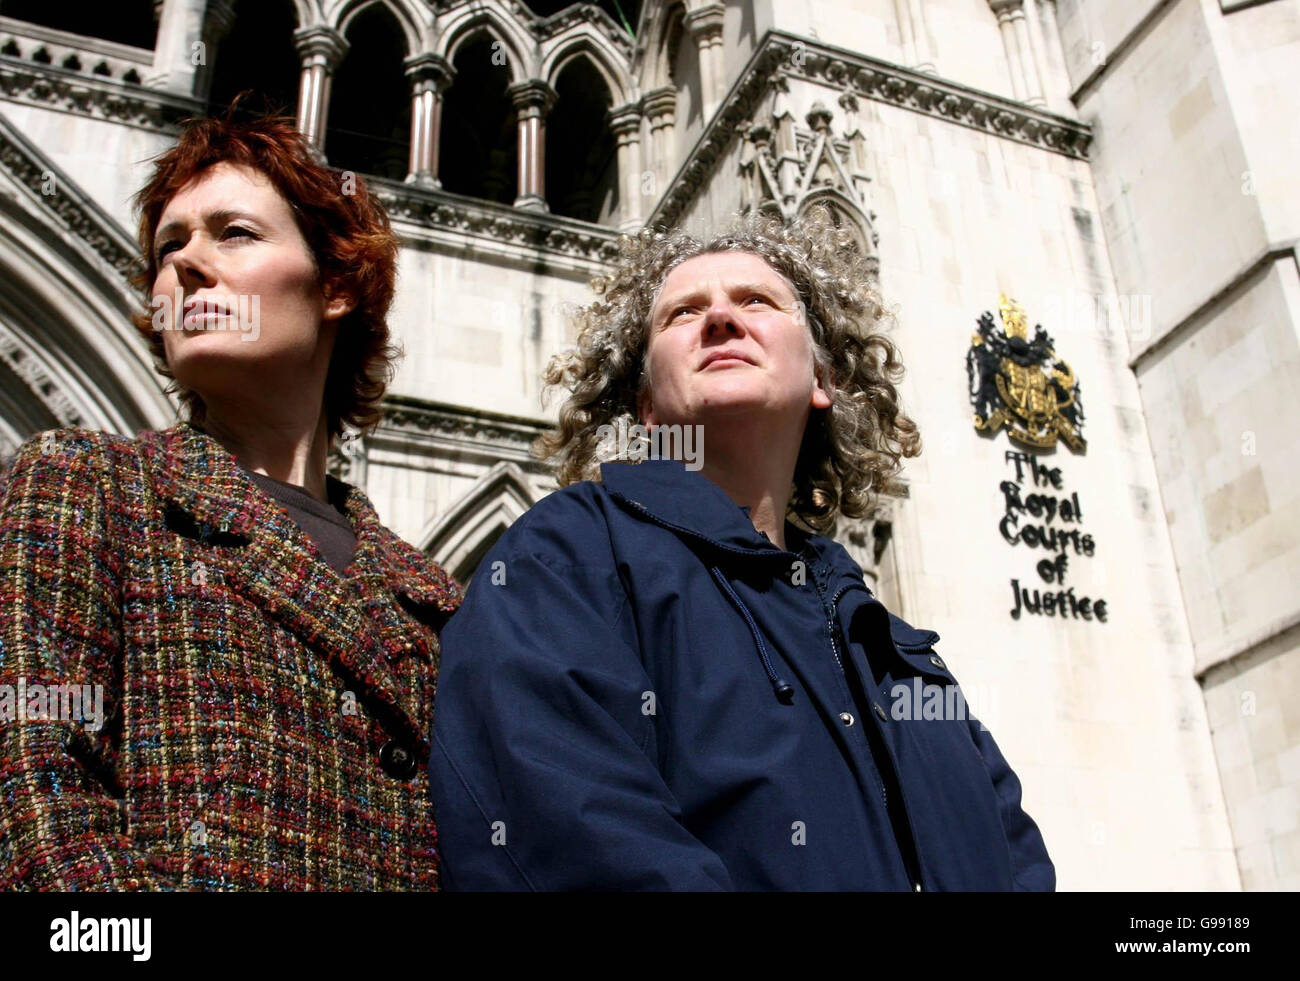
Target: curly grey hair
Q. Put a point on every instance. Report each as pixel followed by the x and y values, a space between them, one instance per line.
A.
pixel 850 452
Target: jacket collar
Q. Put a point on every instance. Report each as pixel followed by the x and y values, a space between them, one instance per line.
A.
pixel 196 474
pixel 689 503
pixel 268 559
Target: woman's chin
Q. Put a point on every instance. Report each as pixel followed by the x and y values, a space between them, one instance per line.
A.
pixel 197 360
pixel 187 344
pixel 733 406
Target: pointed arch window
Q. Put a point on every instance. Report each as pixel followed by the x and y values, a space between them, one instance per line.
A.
pixel 258 54
pixel 369 123
pixel 581 153
pixel 478 147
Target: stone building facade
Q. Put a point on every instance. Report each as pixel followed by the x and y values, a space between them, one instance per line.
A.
pixel 1111 173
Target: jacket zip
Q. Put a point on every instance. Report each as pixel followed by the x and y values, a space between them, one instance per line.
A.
pixel 830 626
pixel 832 629
pixel 913 873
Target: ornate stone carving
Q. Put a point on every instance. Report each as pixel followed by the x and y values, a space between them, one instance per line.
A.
pixel 545 28
pixel 40 45
pixel 92 95
pixel 784 56
pixel 508 436
pixel 82 217
pixel 584 13
pixel 784 169
pixel 532 229
pixel 39 381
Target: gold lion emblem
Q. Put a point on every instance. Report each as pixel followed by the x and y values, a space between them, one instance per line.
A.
pixel 1021 384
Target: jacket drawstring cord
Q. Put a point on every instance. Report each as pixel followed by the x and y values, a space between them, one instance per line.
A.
pixel 783 689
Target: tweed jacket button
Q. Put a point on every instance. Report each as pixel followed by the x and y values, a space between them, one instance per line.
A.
pixel 397 760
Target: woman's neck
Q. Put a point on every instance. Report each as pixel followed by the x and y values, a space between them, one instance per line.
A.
pixel 292 448
pixel 756 470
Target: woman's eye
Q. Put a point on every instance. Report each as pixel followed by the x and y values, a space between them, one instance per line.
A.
pixel 231 232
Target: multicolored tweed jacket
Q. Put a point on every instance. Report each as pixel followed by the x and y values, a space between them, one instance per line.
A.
pixel 266 718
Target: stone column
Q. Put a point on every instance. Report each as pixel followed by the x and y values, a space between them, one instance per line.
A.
pixel 625 124
pixel 1031 58
pixel 1034 35
pixel 430 75
pixel 320 49
pixel 533 102
pixel 1025 83
pixel 1056 85
pixel 183 52
pixel 916 42
pixel 218 20
pixel 661 113
pixel 704 24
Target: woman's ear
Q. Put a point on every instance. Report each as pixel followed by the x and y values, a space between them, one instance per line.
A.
pixel 338 304
pixel 823 392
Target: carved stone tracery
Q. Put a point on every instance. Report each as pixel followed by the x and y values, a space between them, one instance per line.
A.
pixel 786 169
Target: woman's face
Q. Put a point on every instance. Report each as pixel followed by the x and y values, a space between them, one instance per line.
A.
pixel 728 336
pixel 238 279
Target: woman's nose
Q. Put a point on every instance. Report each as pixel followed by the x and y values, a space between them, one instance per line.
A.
pixel 191 264
pixel 721 316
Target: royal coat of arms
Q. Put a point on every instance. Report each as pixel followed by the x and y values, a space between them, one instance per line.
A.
pixel 1022 384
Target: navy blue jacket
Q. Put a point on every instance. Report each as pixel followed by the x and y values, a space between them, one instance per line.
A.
pixel 640 691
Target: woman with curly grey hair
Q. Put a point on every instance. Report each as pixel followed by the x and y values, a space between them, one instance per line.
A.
pixel 664 676
pixel 850 447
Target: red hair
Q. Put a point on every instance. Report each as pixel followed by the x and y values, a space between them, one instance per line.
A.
pixel 345 228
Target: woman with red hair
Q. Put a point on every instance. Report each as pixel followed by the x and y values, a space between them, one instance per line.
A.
pixel 220 665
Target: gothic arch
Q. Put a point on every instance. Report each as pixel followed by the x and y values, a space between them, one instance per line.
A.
pixel 471 21
pixel 309 12
pixel 582 179
pixel 657 67
pixel 458 539
pixel 259 54
pixel 586 42
pixel 368 125
pixel 344 14
pixel 68 353
pixel 845 212
pixel 478 149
